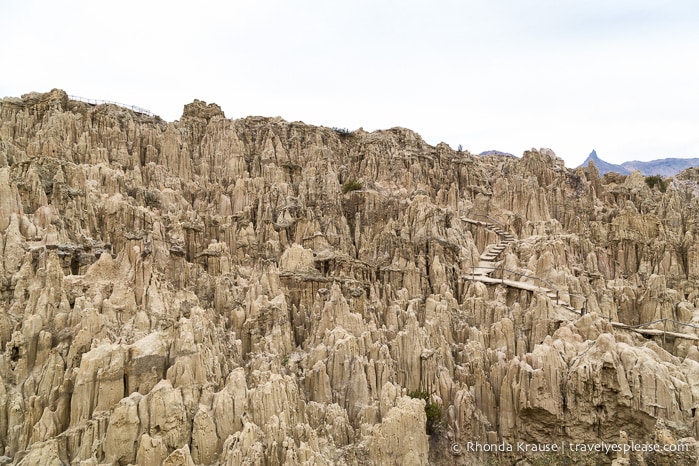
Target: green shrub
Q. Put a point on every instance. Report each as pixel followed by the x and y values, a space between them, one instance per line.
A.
pixel 351 185
pixel 656 180
pixel 433 411
pixel 152 199
pixel 342 132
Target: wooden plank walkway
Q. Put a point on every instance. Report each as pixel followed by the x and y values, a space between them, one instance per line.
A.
pixel 487 265
pixel 656 332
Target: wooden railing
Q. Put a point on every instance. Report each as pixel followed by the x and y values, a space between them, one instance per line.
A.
pixel 489 219
pixel 548 284
pixel 664 321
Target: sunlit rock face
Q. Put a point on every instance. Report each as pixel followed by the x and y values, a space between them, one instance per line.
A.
pixel 254 291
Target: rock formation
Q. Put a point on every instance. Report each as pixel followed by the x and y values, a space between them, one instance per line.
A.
pixel 227 292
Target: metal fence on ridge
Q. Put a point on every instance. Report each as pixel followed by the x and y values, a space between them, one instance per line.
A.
pixel 134 108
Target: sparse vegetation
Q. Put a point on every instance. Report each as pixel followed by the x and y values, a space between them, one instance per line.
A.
pixel 342 132
pixel 152 199
pixel 351 185
pixel 432 410
pixel 656 180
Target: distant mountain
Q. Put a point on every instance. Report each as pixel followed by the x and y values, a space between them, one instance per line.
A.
pixel 496 152
pixel 604 167
pixel 662 167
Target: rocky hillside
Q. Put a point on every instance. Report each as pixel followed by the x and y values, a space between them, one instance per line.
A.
pixel 227 292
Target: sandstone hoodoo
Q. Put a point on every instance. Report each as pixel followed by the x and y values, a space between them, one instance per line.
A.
pixel 226 292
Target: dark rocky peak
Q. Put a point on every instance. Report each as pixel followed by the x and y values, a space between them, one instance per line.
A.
pixel 602 166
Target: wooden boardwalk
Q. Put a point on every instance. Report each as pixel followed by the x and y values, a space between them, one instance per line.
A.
pixel 487 265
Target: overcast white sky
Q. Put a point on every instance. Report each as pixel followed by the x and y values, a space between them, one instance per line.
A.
pixel 618 76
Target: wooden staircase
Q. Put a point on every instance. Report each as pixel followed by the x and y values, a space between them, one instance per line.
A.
pixel 493 251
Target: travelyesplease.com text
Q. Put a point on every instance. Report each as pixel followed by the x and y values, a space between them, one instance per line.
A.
pixel 560 447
